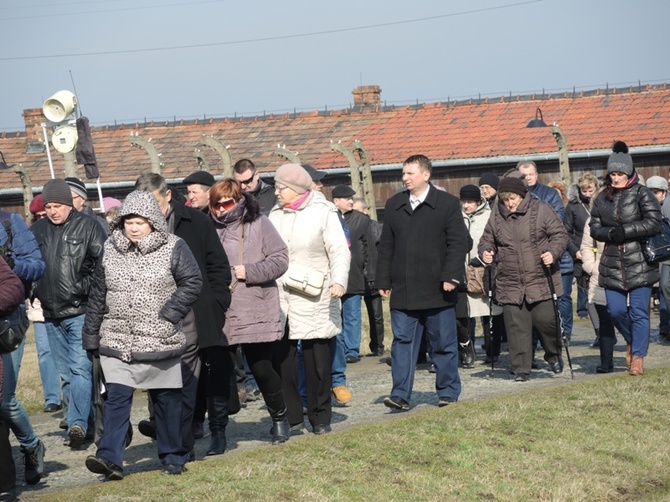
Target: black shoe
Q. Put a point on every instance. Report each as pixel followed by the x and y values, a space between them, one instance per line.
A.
pixel 557 367
pixel 63 424
pixel 603 369
pixel 596 343
pixel 99 465
pixel 253 394
pixel 488 360
pixel 534 365
pixel 445 401
pixel 353 359
pixel 34 463
pixel 9 496
pixel 197 427
pixel 376 353
pixel 396 403
pixel 432 368
pixel 387 360
pixel 173 469
pixel 147 428
pixel 52 408
pixel 522 377
pixel 322 429
pixel 77 436
pixel 191 456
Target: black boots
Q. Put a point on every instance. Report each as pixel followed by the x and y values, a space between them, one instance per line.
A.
pixel 596 342
pixel 606 355
pixel 217 412
pixel 281 430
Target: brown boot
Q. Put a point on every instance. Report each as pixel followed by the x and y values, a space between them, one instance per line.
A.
pixel 637 366
pixel 629 355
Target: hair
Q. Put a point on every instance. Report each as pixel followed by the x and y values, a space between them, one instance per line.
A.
pixel 586 180
pixel 362 201
pixel 244 165
pixel 522 163
pixel 111 214
pixel 422 160
pixel 562 190
pixel 227 187
pixel 152 182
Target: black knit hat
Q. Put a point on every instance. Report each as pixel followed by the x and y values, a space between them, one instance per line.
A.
pixel 489 179
pixel 57 191
pixel 470 192
pixel 620 161
pixel 512 185
pixel 77 186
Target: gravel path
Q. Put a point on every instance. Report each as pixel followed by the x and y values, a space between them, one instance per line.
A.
pixel 369 381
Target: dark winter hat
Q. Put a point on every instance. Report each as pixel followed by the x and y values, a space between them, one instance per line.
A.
pixel 294 177
pixel 489 179
pixel 343 192
pixel 57 191
pixel 77 186
pixel 471 192
pixel 620 161
pixel 315 174
pixel 200 178
pixel 37 205
pixel 513 185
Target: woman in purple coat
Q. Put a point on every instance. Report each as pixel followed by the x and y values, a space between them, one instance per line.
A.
pixel 258 256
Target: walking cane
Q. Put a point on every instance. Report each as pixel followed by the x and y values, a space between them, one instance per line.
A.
pixel 491 335
pixel 562 342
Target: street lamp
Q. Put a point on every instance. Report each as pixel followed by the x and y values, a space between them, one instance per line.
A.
pixel 563 164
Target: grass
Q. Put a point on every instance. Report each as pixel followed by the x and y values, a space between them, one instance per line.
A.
pixel 600 440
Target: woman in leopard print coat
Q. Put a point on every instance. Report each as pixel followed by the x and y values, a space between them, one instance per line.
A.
pixel 145 283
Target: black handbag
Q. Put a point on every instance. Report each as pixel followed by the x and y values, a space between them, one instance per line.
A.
pixel 657 247
pixel 10 338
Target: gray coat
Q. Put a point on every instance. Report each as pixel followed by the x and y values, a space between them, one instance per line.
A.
pixel 254 313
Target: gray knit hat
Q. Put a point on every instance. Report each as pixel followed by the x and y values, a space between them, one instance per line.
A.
pixel 620 161
pixel 57 191
pixel 77 186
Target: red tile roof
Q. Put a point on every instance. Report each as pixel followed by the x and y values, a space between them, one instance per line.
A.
pixel 443 131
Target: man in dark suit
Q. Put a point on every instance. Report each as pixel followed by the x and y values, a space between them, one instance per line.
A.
pixel 420 264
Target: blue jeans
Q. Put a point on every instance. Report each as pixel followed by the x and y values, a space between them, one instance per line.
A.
pixel 48 372
pixel 407 328
pixel 73 364
pixel 338 361
pixel 582 302
pixel 12 411
pixel 630 313
pixel 351 325
pixel 565 305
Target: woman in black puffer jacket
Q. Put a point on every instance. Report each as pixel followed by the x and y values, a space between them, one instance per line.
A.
pixel 622 216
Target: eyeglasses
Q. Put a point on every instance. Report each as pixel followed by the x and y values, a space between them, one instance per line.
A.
pixel 280 189
pixel 248 180
pixel 226 205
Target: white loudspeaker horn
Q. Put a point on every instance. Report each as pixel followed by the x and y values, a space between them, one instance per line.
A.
pixel 65 138
pixel 59 106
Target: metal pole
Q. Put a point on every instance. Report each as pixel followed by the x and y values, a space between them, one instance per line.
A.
pixel 46 143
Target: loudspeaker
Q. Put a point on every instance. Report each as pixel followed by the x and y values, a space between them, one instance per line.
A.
pixel 59 106
pixel 65 138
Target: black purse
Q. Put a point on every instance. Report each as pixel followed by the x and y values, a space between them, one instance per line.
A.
pixel 657 247
pixel 10 338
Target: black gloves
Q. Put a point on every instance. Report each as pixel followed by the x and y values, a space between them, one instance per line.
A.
pixel 617 235
pixel 93 354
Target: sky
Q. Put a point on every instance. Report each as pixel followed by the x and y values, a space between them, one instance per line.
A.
pixel 130 60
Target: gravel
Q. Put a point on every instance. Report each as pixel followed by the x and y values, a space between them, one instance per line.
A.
pixel 369 381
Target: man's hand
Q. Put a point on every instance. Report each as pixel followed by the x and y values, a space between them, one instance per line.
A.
pixel 449 286
pixel 336 291
pixel 384 293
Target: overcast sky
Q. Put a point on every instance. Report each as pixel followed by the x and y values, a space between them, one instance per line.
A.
pixel 159 59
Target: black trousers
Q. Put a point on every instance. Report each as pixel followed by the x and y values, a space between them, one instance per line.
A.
pixel 7 467
pixel 259 357
pixel 316 358
pixel 373 305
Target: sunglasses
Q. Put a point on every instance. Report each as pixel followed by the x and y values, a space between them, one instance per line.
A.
pixel 226 205
pixel 248 180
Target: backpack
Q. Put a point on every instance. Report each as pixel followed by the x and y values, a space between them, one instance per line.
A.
pixel 6 251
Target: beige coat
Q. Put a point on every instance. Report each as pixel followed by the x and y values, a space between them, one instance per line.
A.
pixel 590 261
pixel 315 238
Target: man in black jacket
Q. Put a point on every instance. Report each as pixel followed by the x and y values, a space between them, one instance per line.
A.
pixel 359 229
pixel 71 243
pixel 203 326
pixel 249 178
pixel 420 264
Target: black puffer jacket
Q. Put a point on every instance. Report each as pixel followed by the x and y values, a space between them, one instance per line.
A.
pixel 576 214
pixel 622 266
pixel 70 252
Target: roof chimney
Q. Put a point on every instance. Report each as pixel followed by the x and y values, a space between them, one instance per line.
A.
pixel 367 95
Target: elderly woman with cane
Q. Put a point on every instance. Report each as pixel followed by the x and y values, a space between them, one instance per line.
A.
pixel 525 235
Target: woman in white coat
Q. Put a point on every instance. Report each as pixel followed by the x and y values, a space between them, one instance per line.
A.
pixel 317 245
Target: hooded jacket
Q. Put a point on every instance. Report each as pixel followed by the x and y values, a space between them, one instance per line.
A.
pixel 142 290
pixel 633 207
pixel 518 239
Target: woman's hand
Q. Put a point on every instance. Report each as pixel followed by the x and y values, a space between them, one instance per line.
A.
pixel 336 291
pixel 547 258
pixel 487 257
pixel 240 272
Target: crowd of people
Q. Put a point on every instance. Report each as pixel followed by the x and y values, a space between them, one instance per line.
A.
pixel 247 290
